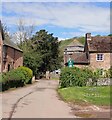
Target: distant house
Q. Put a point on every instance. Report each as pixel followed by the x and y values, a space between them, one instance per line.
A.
pixel 71 49
pixel 97 53
pixel 11 56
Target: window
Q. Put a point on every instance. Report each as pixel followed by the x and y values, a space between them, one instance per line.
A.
pixel 99 57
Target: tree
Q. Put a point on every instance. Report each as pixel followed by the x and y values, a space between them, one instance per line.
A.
pixel 110 35
pixel 44 54
pixel 6 32
pixel 23 34
pixel 98 35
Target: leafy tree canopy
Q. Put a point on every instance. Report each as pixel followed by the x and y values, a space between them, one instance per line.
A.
pixel 42 53
pixel 110 35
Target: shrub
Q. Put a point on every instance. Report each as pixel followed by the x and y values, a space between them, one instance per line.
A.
pixel 110 72
pixel 74 77
pixel 28 74
pixel 16 78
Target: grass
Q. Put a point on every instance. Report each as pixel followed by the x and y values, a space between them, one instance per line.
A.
pixel 93 95
pixel 54 78
pixel 81 40
pixel 64 43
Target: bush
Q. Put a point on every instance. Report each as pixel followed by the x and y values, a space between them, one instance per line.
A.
pixel 110 72
pixel 74 77
pixel 28 74
pixel 16 78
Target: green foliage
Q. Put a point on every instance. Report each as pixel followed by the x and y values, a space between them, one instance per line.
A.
pixel 98 35
pixel 108 73
pixel 81 40
pixel 27 72
pixel 16 78
pixel 42 53
pixel 64 43
pixel 74 77
pixel 95 75
pixel 110 35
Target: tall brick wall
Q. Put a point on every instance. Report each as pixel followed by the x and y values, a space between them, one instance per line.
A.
pixel 9 59
pixel 14 59
pixel 105 64
pixel 18 59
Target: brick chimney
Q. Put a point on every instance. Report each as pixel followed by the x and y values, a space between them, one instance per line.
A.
pixel 88 36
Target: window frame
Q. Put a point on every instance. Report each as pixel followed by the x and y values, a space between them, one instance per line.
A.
pixel 100 57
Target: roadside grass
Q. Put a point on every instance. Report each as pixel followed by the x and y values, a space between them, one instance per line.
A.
pixel 54 78
pixel 92 95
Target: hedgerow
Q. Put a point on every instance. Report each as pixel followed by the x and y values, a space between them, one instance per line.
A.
pixel 75 77
pixel 16 78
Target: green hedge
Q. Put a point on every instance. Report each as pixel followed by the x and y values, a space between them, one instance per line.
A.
pixel 28 74
pixel 16 78
pixel 74 77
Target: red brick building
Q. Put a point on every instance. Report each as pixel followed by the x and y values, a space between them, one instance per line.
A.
pixel 11 56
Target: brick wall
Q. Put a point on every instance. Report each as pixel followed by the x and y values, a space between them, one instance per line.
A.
pixel 8 60
pixel 14 59
pixel 105 64
pixel 18 59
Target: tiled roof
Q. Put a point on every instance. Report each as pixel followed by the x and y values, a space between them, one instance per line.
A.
pixel 100 44
pixel 11 44
pixel 79 58
pixel 7 41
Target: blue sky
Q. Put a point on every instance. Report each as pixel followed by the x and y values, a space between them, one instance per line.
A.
pixel 63 19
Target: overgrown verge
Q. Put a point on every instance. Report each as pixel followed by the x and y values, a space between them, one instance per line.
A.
pixel 76 77
pixel 16 78
pixel 82 77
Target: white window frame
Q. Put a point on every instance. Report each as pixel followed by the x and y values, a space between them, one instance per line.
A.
pixel 100 59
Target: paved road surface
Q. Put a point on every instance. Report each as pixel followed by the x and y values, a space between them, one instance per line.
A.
pixel 40 101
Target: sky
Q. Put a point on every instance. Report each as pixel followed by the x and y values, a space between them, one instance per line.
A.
pixel 62 18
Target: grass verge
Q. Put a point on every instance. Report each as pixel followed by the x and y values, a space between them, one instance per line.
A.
pixel 93 95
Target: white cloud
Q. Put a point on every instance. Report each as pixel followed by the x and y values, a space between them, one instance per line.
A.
pixel 60 39
pixel 85 17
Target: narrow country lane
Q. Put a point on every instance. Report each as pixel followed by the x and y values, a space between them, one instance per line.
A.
pixel 36 101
